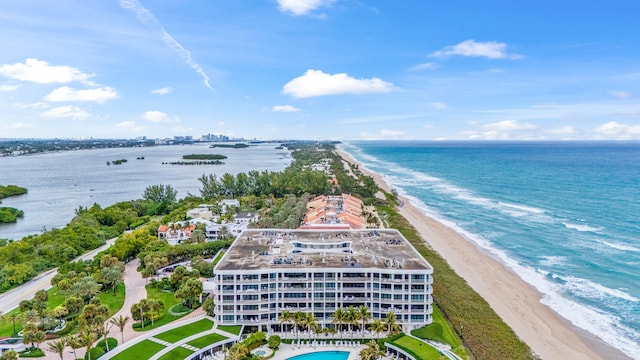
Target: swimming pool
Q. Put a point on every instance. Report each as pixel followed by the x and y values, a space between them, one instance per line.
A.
pixel 323 355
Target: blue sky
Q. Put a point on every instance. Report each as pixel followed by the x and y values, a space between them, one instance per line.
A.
pixel 321 69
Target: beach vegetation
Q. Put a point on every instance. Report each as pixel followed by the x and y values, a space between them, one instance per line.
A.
pixel 483 332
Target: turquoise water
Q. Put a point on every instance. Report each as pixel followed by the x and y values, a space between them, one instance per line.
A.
pixel 323 355
pixel 564 216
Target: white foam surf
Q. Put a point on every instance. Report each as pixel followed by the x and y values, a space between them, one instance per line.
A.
pixel 582 227
pixel 618 246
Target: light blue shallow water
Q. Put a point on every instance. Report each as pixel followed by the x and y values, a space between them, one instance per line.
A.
pixel 323 355
pixel 564 216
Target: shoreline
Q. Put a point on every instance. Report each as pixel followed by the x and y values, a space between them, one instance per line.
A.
pixel 549 335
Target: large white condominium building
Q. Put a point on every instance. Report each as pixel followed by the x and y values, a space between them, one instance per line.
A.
pixel 267 271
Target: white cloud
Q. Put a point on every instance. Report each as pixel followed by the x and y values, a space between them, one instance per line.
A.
pixel 159 117
pixel 427 126
pixel 438 105
pixel 621 94
pixel 66 94
pixel 146 17
pixel 20 125
pixel 38 105
pixel 69 111
pixel 8 87
pixel 41 72
pixel 220 123
pixel 425 66
pixel 301 7
pixel 162 91
pixel 618 131
pixel 130 126
pixel 488 49
pixel 564 130
pixel 384 134
pixel 284 108
pixel 127 124
pixel 317 83
pixel 508 125
pixel 502 130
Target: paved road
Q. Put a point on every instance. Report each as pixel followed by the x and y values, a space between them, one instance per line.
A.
pixel 12 298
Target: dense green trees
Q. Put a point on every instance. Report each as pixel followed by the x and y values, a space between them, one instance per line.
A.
pixel 90 228
pixel 11 190
pixel 10 215
pixel 160 194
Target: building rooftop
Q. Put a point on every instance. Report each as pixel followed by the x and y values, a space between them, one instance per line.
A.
pixel 298 249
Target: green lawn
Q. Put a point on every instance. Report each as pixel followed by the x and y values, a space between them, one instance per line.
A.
pixel 185 331
pixel 169 300
pixel 231 329
pixel 206 340
pixel 217 259
pixel 114 302
pixel 56 298
pixel 417 348
pixel 142 350
pixel 177 353
pixel 440 330
pixel 6 327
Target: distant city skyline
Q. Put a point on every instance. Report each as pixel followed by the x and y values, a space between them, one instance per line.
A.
pixel 320 69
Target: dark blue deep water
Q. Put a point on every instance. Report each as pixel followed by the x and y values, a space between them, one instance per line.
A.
pixel 564 216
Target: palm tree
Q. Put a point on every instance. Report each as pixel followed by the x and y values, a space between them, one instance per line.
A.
pixel 14 317
pixel 286 317
pixel 391 321
pixel 309 321
pixel 9 355
pixel 154 305
pixel 371 352
pixel 58 347
pixel 339 317
pixel 120 322
pixel 103 330
pixel 298 319
pixel 377 326
pixel 365 316
pixel 353 316
pixel 75 342
pixel 88 339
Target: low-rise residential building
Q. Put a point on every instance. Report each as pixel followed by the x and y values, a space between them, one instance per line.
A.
pixel 266 272
pixel 176 233
pixel 337 212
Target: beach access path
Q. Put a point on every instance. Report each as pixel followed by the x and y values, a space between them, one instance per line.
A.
pixel 12 298
pixel 516 302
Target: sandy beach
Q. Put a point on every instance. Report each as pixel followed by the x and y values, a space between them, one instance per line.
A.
pixel 549 335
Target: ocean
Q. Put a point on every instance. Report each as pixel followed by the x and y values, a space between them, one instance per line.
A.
pixel 60 182
pixel 564 216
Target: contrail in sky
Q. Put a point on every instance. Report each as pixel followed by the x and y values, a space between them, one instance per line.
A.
pixel 146 17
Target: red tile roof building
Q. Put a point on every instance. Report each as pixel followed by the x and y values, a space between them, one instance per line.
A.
pixel 334 212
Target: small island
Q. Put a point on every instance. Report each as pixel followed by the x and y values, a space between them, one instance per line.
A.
pixel 234 146
pixel 204 157
pixel 200 162
pixel 9 214
pixel 117 162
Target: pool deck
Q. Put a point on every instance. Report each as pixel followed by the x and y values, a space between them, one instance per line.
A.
pixel 287 351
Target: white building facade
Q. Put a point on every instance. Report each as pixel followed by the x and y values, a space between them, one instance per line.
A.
pixel 268 271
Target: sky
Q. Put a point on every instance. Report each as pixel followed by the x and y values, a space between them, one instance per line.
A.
pixel 321 69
